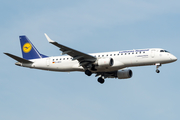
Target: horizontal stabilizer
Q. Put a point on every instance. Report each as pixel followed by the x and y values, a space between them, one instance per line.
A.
pixel 18 58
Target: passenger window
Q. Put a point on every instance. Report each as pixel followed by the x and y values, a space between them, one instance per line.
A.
pixel 56 59
pixel 139 52
pixel 60 59
pixel 114 54
pixel 98 55
pixel 63 58
pixel 125 53
pixel 67 58
pixel 110 54
pixel 132 53
pixel 106 55
pixel 129 53
pixel 117 54
pixel 102 55
pixel 143 52
pixel 121 53
pixel 53 59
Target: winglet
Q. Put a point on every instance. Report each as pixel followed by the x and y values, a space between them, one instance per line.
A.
pixel 49 40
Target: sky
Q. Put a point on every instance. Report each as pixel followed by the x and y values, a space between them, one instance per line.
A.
pixel 89 26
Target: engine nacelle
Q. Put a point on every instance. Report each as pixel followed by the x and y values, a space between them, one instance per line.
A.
pixel 105 62
pixel 124 74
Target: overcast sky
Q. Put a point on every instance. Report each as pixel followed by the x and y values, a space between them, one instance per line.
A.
pixel 89 26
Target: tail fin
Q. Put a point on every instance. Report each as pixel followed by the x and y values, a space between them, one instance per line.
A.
pixel 28 49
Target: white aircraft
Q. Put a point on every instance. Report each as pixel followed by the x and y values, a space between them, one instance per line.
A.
pixel 104 65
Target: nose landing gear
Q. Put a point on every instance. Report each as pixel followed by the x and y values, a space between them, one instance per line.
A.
pixel 158 71
pixel 157 66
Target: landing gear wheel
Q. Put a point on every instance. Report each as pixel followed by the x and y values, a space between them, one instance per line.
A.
pixel 158 71
pixel 88 73
pixel 101 80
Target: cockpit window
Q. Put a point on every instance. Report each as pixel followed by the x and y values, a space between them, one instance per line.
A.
pixel 161 50
pixel 164 51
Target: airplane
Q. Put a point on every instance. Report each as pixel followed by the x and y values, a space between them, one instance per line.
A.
pixel 105 65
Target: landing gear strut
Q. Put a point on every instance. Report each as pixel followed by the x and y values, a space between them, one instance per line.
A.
pixel 157 66
pixel 101 80
pixel 88 72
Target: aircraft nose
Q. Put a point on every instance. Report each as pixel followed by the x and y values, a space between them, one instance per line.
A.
pixel 173 58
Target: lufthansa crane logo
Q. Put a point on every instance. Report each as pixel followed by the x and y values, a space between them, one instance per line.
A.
pixel 27 47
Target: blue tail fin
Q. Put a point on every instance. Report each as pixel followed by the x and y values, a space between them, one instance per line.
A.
pixel 28 49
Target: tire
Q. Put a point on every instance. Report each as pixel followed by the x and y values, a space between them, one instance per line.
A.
pixel 101 80
pixel 88 73
pixel 158 71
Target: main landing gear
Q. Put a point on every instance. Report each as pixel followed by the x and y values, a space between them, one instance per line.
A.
pixel 157 66
pixel 100 80
pixel 88 72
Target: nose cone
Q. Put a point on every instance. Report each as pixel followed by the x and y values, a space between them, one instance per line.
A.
pixel 173 58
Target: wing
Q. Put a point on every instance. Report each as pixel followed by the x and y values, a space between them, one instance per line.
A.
pixel 84 59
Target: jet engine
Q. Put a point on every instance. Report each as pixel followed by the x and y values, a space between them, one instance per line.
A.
pixel 124 74
pixel 105 62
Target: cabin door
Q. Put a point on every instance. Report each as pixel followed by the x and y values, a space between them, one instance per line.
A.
pixel 47 62
pixel 153 53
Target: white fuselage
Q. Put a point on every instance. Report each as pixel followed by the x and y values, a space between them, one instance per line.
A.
pixel 122 59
